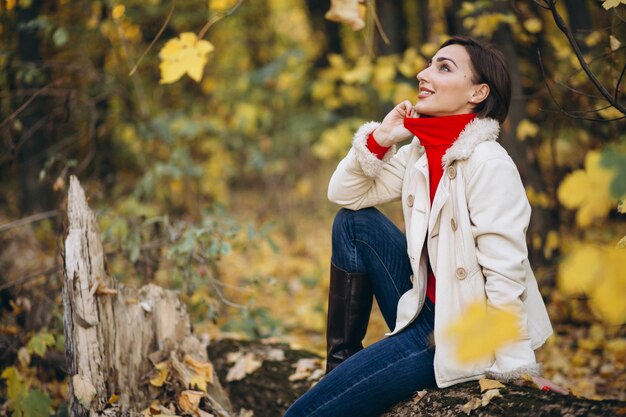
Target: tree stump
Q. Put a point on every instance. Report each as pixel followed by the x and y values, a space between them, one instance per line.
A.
pixel 114 335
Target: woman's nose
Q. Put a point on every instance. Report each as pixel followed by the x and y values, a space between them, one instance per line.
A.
pixel 422 75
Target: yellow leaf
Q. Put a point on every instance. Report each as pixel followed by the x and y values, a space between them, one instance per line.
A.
pixel 113 399
pixel 245 365
pixel 580 270
pixel 472 404
pixel 184 55
pixel 197 383
pixel 159 380
pixel 608 4
pixel 189 401
pixel 588 190
pixel 347 12
pixel 607 296
pixel 533 25
pixel 201 368
pixel 479 332
pixel 221 5
pixel 118 11
pixel 526 129
pixel 488 384
pixel 84 390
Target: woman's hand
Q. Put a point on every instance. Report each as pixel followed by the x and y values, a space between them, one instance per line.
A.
pixel 392 130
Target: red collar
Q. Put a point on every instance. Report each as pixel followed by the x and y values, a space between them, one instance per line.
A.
pixel 438 131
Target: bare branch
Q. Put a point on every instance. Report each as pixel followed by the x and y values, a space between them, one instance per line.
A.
pixel 558 19
pixel 30 219
pixel 619 81
pixel 217 17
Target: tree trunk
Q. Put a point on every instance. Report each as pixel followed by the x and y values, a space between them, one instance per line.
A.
pixel 391 17
pixel 115 335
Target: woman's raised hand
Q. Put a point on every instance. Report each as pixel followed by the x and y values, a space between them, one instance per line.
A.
pixel 392 130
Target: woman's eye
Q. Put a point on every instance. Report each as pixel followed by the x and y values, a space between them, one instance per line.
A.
pixel 444 67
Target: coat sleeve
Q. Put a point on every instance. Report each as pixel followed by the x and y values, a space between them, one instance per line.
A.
pixel 500 213
pixel 362 180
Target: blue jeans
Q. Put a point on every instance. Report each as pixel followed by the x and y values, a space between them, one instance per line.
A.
pixel 392 369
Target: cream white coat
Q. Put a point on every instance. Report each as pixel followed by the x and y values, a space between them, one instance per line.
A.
pixel 474 236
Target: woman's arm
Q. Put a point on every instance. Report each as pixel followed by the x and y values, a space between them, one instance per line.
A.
pixel 362 179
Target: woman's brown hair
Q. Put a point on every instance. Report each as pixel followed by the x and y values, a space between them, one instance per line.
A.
pixel 489 67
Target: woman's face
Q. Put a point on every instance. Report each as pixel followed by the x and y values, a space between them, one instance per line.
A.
pixel 445 85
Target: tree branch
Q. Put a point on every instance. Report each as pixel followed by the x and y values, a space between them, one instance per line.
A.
pixel 558 19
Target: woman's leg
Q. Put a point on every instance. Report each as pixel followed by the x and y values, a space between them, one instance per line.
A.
pixel 374 379
pixel 366 241
pixel 390 370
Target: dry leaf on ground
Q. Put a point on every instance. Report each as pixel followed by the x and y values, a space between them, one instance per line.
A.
pixel 304 367
pixel 489 395
pixel 245 365
pixel 487 384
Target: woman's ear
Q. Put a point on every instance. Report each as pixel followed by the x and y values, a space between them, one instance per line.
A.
pixel 480 93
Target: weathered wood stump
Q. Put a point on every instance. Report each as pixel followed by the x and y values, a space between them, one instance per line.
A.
pixel 114 335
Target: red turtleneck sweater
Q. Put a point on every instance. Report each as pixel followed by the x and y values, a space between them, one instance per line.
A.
pixel 436 134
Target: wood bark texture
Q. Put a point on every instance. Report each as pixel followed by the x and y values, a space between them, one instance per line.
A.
pixel 113 334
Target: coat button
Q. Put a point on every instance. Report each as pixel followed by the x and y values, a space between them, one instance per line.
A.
pixel 453 224
pixel 410 200
pixel 452 172
pixel 461 273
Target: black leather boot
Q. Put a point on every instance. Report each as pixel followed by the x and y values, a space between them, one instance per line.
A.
pixel 349 306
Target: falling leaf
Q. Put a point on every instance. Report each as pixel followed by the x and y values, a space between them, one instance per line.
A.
pixel 608 4
pixel 472 404
pixel 489 395
pixel 184 55
pixel 159 380
pixel 189 401
pixel 480 331
pixel 488 384
pixel 346 11
pixel 246 365
pixel 588 190
pixel 84 390
pixel 304 367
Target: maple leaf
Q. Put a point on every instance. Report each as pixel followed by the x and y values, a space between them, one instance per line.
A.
pixel 608 4
pixel 184 55
pixel 480 331
pixel 345 11
pixel 588 190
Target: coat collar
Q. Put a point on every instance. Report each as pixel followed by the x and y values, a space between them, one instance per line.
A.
pixel 476 132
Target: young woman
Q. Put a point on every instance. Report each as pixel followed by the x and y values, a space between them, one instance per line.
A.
pixel 465 214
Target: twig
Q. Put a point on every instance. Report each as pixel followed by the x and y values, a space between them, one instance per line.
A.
pixel 558 19
pixel 30 219
pixel 26 103
pixel 27 278
pixel 158 35
pixel 217 18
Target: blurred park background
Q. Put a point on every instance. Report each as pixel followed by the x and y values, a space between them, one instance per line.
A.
pixel 205 131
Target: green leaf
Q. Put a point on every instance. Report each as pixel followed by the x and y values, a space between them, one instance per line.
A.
pixel 16 386
pixel 60 37
pixel 38 344
pixel 615 159
pixel 36 404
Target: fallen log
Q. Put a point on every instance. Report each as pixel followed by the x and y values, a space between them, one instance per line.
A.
pixel 268 391
pixel 116 337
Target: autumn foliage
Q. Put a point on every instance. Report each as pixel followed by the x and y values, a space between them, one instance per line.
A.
pixel 206 131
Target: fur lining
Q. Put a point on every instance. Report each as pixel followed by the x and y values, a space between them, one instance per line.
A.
pixel 370 164
pixel 504 376
pixel 476 131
